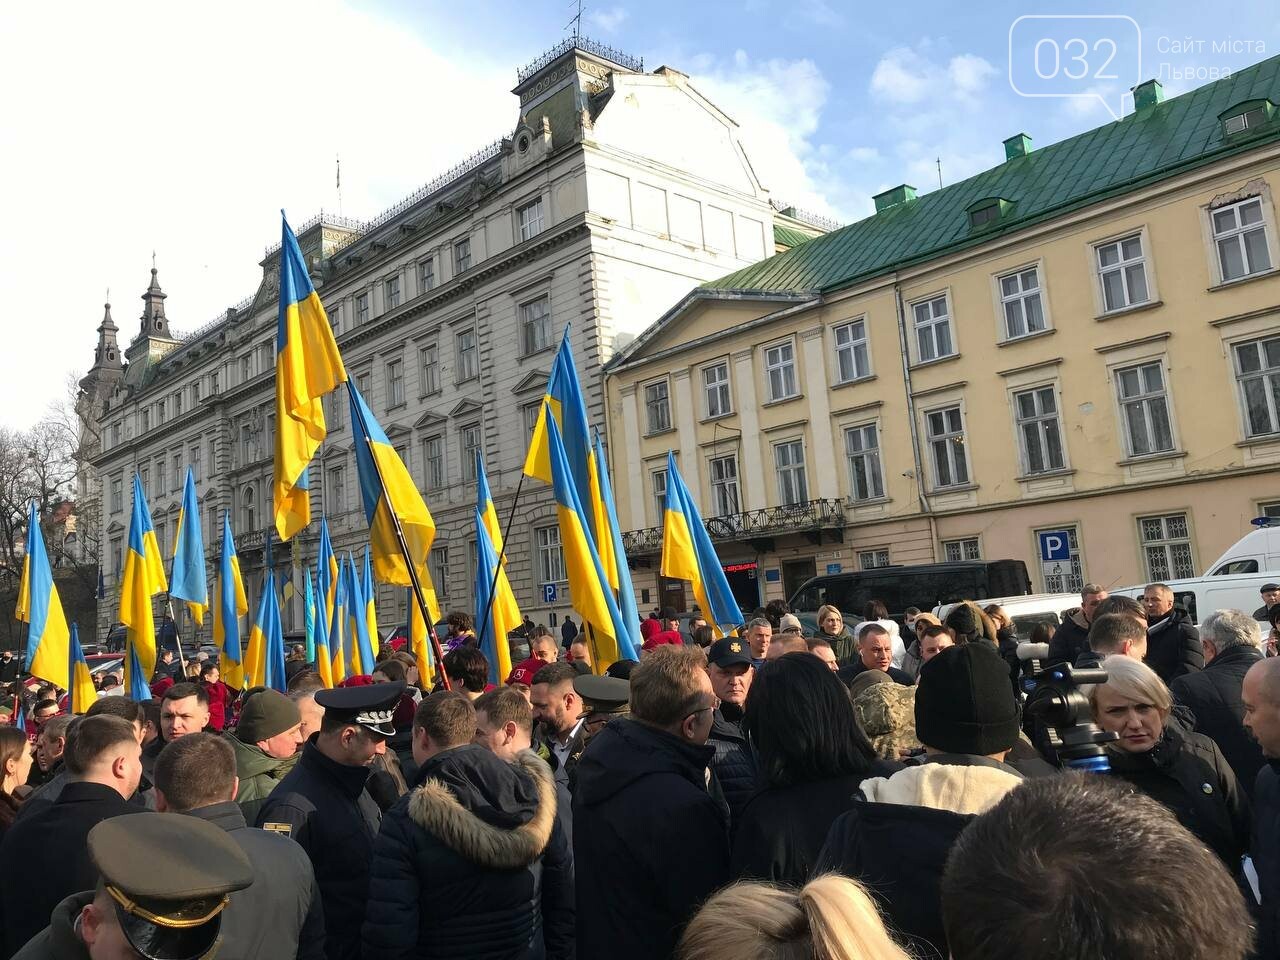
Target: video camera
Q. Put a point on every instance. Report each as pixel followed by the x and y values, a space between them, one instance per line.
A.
pixel 1055 699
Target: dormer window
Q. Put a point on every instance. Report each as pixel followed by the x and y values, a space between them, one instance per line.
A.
pixel 984 215
pixel 988 211
pixel 1247 118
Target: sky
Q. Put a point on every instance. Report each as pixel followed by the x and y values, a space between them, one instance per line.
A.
pixel 137 128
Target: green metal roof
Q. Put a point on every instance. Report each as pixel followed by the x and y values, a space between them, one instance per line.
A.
pixel 1161 141
pixel 789 237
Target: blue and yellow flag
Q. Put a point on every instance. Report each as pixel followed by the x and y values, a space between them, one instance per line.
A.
pixel 232 604
pixel 326 598
pixel 360 657
pixel 563 402
pixel 370 613
pixel 615 564
pixel 488 512
pixel 308 366
pixel 339 627
pixel 39 606
pixel 143 578
pixel 497 613
pixel 81 693
pixel 264 657
pixel 419 644
pixel 589 589
pixel 189 581
pixel 687 554
pixel 309 621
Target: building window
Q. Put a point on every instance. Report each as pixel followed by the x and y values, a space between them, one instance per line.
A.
pixel 337 403
pixel 550 556
pixel 535 324
pixel 780 370
pixel 395 383
pixel 244 369
pixel 115 434
pixel 145 416
pixel 433 462
pixel 467 365
pixel 117 494
pixel 391 289
pixel 1240 235
pixel 115 558
pixel 953 551
pixel 530 218
pixel 1068 577
pixel 177 403
pixel 862 447
pixel 1271 510
pixel 426 274
pixel 195 392
pixel 1258 370
pixel 159 411
pixel 144 474
pixel 362 308
pixel 177 479
pixel 1249 119
pixel 715 384
pixel 440 571
pixel 876 557
pixel 213 455
pixel 530 413
pixel 853 357
pixel 1122 271
pixel 658 481
pixel 162 477
pixel 1020 303
pixel 1166 546
pixel 933 329
pixel 429 369
pixel 724 486
pixel 657 407
pixel 462 255
pixel 195 463
pixel 788 460
pixel 470 447
pixel 945 430
pixel 1038 430
pixel 336 489
pixel 248 509
pixel 402 451
pixel 246 444
pixel 1145 409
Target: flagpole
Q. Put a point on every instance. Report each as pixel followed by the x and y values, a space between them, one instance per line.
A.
pixel 436 649
pixel 497 567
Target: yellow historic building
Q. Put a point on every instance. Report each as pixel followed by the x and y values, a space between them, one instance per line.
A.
pixel 1084 339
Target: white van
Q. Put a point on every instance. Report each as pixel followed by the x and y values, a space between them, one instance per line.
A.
pixel 1026 611
pixel 1255 552
pixel 1200 596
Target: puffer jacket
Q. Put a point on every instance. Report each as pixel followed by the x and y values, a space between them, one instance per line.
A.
pixel 734 765
pixel 259 774
pixel 1173 646
pixel 472 863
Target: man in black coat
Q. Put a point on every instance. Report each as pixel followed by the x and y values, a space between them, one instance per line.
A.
pixel 322 803
pixel 649 843
pixel 472 862
pixel 1173 643
pixel 1261 696
pixel 1229 639
pixel 43 857
pixel 281 915
pixel 734 765
pixel 1072 636
pixel 1270 598
pixel 895 841
pixel 875 652
pixel 10 666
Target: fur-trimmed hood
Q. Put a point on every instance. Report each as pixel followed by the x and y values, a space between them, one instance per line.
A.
pixel 496 815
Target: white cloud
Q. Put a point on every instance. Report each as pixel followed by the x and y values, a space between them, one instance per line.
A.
pixel 608 20
pixel 864 155
pixel 969 73
pixel 910 75
pixel 159 127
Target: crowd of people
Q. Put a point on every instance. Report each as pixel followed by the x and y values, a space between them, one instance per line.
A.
pixel 867 788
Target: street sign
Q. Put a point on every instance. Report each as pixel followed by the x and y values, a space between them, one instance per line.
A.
pixel 1054 545
pixel 549 593
pixel 834 568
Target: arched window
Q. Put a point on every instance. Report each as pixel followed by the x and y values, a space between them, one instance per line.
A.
pixel 248 508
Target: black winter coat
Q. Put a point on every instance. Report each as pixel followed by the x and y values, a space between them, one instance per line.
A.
pixel 472 864
pixel 1173 646
pixel 783 829
pixel 733 764
pixel 848 673
pixel 1070 639
pixel 323 805
pixel 649 843
pixel 1213 695
pixel 1265 851
pixel 44 858
pixel 1187 773
pixel 280 915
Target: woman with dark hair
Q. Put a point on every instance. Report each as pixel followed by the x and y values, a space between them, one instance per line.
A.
pixel 703 636
pixel 15 766
pixel 811 757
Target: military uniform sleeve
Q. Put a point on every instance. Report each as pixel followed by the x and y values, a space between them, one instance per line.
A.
pixel 288 816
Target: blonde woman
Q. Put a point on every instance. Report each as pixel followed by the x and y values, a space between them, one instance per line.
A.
pixel 831 917
pixel 1183 770
pixel 831 628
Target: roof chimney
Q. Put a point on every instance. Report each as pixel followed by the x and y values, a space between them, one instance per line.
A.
pixel 1147 94
pixel 892 197
pixel 1019 145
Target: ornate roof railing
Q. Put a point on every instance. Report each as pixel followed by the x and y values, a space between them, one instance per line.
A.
pixel 812 516
pixel 580 43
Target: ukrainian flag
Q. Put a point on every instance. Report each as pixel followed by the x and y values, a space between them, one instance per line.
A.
pixel 563 403
pixel 327 595
pixel 496 608
pixel 264 658
pixel 189 581
pixel 81 693
pixel 338 629
pixel 687 554
pixel 372 640
pixel 48 638
pixel 231 606
pixel 308 365
pixel 359 652
pixel 419 644
pixel 488 513
pixel 309 615
pixel 615 565
pixel 388 494
pixel 143 578
pixel 589 588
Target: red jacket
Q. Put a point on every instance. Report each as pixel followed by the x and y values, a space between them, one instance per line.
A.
pixel 219 699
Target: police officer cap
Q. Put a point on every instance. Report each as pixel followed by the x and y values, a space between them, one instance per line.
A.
pixel 170 877
pixel 603 694
pixel 727 651
pixel 371 706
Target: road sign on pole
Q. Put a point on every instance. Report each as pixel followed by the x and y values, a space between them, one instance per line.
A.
pixel 1054 545
pixel 549 593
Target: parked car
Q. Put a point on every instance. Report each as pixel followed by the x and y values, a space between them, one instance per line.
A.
pixel 1256 552
pixel 1027 611
pixel 1200 596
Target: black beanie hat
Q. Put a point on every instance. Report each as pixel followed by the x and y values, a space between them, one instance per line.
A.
pixel 964 702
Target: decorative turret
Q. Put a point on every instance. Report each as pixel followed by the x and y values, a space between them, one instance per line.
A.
pixel 154 322
pixel 154 339
pixel 108 365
